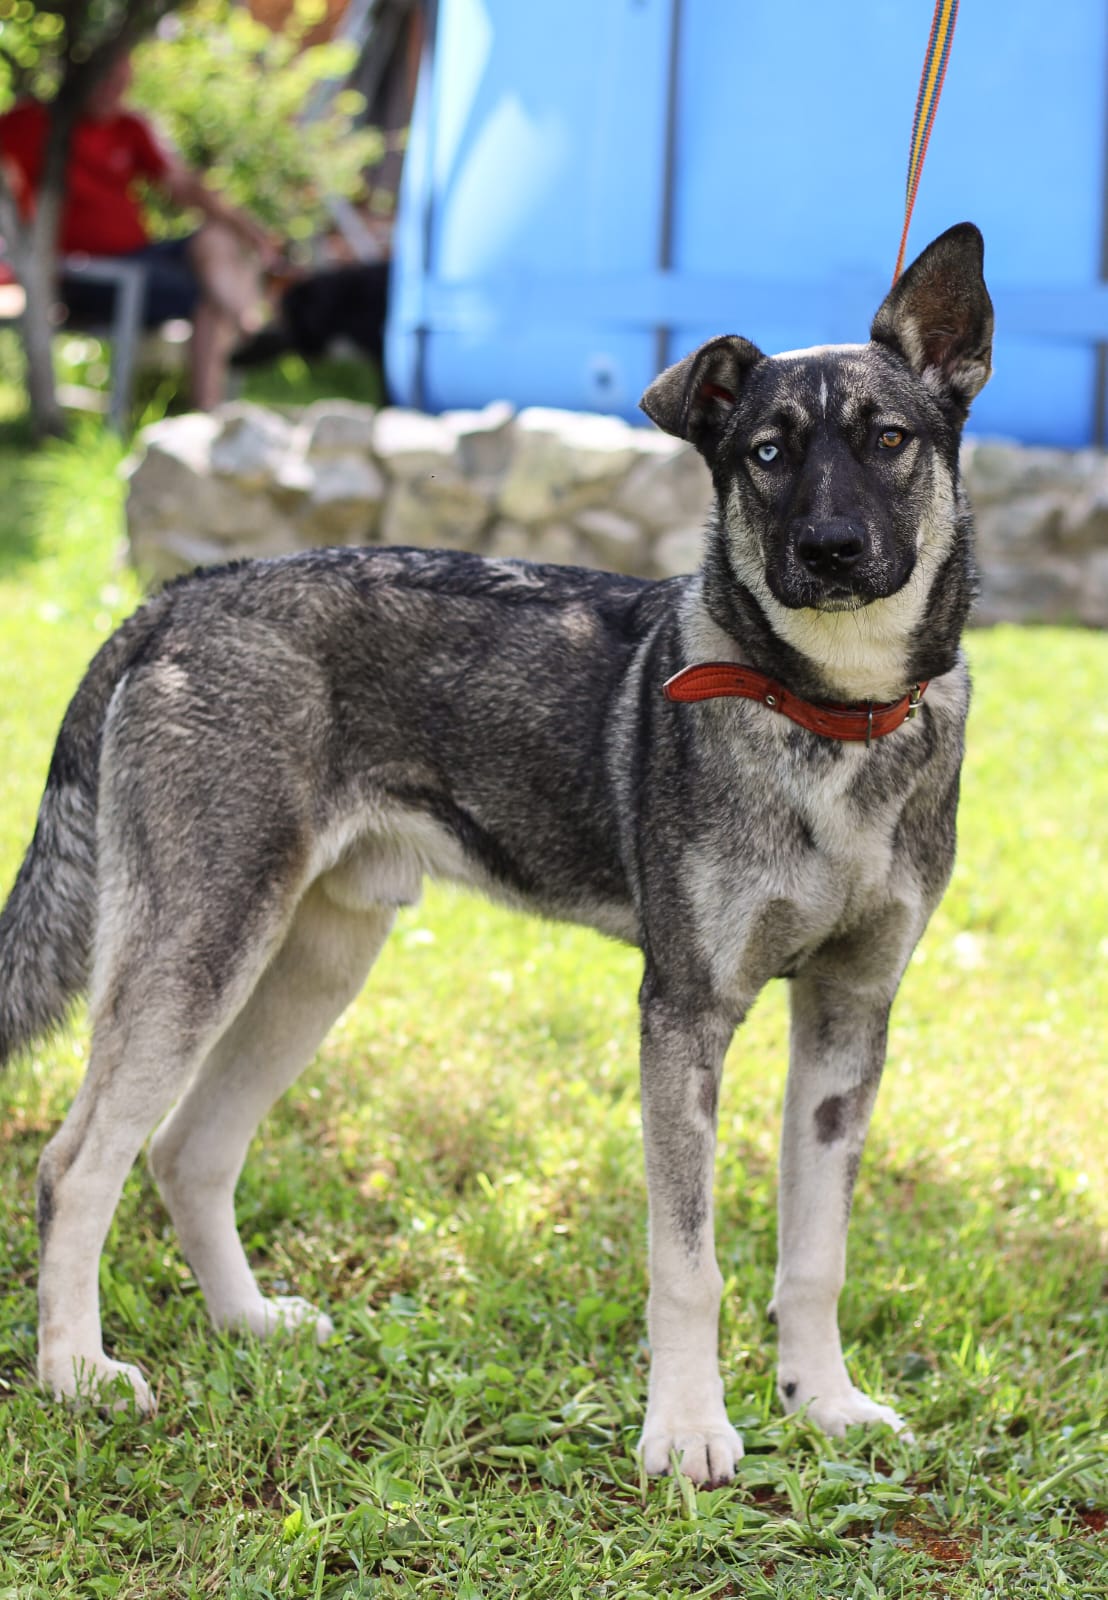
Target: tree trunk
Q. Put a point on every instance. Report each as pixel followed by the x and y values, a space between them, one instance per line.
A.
pixel 32 255
pixel 37 331
pixel 34 261
pixel 32 245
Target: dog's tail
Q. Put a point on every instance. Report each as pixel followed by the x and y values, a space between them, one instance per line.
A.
pixel 46 927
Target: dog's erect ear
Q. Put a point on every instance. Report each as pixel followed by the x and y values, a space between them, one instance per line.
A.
pixel 695 398
pixel 938 315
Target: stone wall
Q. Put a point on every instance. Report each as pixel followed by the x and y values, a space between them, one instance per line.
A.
pixel 555 486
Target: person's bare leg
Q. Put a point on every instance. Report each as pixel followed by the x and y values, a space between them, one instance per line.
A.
pixel 230 306
pixel 229 274
pixel 213 337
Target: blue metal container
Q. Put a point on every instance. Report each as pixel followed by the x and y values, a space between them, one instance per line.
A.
pixel 595 186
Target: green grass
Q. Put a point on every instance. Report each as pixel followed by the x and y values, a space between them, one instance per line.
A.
pixel 82 362
pixel 458 1178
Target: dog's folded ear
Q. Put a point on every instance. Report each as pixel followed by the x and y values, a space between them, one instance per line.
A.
pixel 938 316
pixel 695 398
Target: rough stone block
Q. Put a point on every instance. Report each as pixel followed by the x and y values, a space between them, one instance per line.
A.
pixel 556 542
pixel 161 480
pixel 1018 527
pixel 999 470
pixel 679 550
pixel 170 489
pixel 667 487
pixel 251 444
pixel 444 512
pixel 1050 590
pixel 337 427
pixel 410 445
pixel 188 439
pixel 482 439
pixel 613 541
pixel 563 461
pixel 293 480
pixel 1083 525
pixel 1093 604
pixel 167 551
pixel 343 503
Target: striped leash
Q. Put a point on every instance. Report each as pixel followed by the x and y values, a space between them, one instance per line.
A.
pixel 927 103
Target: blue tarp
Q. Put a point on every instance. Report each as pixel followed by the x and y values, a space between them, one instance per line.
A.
pixel 593 187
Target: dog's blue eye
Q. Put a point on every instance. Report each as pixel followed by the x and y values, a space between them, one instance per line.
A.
pixel 767 453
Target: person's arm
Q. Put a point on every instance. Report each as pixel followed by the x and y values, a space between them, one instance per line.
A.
pixel 187 189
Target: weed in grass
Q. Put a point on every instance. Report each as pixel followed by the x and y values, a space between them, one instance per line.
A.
pixel 458 1177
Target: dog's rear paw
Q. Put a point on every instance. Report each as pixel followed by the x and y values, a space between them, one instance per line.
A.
pixel 287 1313
pixel 707 1453
pixel 269 1319
pixel 112 1385
pixel 839 1412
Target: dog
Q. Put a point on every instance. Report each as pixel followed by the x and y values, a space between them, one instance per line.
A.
pixel 336 305
pixel 751 773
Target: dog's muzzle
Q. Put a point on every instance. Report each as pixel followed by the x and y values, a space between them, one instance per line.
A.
pixel 830 549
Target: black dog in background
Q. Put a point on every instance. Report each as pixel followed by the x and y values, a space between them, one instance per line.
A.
pixel 337 303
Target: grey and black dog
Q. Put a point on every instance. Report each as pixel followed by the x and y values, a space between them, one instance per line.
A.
pixel 264 762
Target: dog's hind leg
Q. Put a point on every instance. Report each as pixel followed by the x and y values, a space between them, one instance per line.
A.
pixel 157 1006
pixel 198 1152
pixel 81 1177
pixel 837 1052
pixel 682 1059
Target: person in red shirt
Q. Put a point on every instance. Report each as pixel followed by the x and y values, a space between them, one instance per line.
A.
pixel 211 277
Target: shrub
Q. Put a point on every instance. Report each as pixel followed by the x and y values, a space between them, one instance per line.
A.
pixel 239 103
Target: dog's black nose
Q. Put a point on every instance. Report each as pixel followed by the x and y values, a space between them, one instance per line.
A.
pixel 830 546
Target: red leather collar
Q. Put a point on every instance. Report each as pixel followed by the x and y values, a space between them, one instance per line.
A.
pixel 725 680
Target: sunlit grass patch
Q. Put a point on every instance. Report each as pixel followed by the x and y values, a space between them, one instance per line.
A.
pixel 458 1177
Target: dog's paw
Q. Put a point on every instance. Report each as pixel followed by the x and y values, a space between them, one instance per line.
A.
pixel 112 1385
pixel 707 1452
pixel 849 1409
pixel 269 1319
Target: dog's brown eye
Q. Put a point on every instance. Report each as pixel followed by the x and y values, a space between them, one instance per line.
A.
pixel 891 439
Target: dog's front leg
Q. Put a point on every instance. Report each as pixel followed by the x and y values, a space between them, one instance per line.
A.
pixel 837 1052
pixel 682 1059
